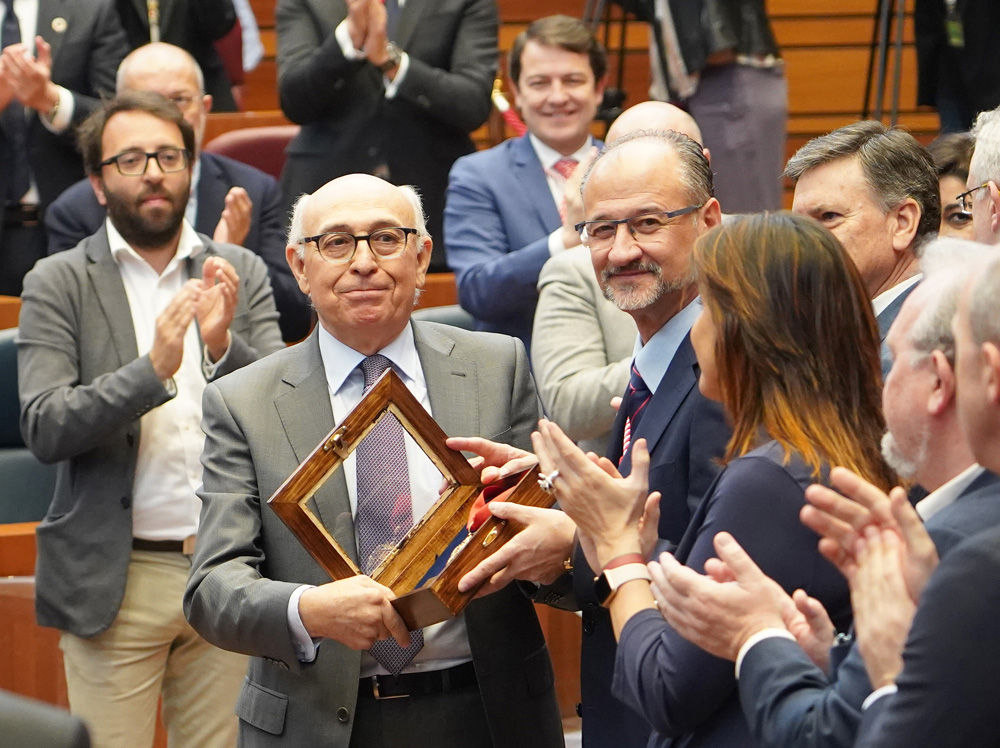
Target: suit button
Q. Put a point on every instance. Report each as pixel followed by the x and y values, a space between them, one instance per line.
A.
pixel 588 626
pixel 579 709
pixel 130 439
pixel 126 502
pixel 343 715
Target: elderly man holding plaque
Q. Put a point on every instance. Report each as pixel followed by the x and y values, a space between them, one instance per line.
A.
pixel 331 659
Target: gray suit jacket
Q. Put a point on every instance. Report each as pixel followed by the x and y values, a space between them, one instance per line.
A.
pixel 27 722
pixel 83 389
pixel 581 347
pixel 260 424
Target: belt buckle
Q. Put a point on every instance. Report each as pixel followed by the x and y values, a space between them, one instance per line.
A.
pixel 380 697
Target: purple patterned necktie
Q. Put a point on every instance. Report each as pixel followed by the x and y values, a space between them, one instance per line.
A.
pixel 637 396
pixel 385 510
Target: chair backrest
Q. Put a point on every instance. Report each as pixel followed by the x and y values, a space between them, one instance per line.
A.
pixel 263 147
pixel 26 485
pixel 452 315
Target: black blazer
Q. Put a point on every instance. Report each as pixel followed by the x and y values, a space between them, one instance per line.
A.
pixel 347 123
pixel 76 214
pixel 85 58
pixel 788 701
pixel 685 433
pixel 689 696
pixel 978 66
pixel 947 690
pixel 193 25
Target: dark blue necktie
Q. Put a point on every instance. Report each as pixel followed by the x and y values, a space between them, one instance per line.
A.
pixel 637 396
pixel 12 121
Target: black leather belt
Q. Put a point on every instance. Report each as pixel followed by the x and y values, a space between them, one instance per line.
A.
pixel 21 215
pixel 159 546
pixel 418 684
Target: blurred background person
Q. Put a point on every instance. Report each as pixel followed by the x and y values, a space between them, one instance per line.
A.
pixel 952 153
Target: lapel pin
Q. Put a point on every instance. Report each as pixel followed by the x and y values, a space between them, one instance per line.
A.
pixel 59 24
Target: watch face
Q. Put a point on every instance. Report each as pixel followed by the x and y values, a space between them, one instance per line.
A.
pixel 602 589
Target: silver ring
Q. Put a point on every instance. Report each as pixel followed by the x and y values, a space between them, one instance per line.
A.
pixel 547 482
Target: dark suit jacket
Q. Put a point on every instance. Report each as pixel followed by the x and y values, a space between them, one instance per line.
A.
pixel 788 701
pixel 685 434
pixel 33 724
pixel 85 57
pixel 977 68
pixel 260 424
pixel 498 216
pixel 83 389
pixel 689 696
pixel 193 25
pixel 885 320
pixel 76 214
pixel 347 123
pixel 947 690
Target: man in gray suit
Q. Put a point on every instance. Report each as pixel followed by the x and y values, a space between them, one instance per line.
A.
pixel 327 657
pixel 117 338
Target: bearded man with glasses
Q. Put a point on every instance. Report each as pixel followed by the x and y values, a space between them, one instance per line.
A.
pixel 118 338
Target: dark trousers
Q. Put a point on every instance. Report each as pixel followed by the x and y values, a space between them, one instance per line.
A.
pixel 20 247
pixel 456 719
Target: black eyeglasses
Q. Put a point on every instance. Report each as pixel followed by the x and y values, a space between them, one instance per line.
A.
pixel 600 235
pixel 134 163
pixel 965 199
pixel 339 246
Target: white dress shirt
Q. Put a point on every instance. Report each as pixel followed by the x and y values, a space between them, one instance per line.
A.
pixel 548 157
pixel 445 644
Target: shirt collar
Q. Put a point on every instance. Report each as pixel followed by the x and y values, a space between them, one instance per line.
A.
pixel 548 156
pixel 884 299
pixel 946 494
pixel 340 360
pixel 189 245
pixel 653 359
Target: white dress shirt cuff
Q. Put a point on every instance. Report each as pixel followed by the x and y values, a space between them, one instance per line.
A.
pixel 343 37
pixel 556 245
pixel 64 113
pixel 207 367
pixel 392 86
pixel 305 646
pixel 759 637
pixel 877 694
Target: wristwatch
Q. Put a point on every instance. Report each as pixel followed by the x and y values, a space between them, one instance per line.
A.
pixel 607 584
pixel 395 55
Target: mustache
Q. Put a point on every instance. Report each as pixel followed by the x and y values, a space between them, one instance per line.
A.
pixel 643 266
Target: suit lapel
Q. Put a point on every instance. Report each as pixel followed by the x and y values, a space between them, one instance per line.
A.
pixel 110 294
pixel 530 175
pixel 409 18
pixel 889 314
pixel 48 11
pixel 677 383
pixel 452 385
pixel 307 417
pixel 212 190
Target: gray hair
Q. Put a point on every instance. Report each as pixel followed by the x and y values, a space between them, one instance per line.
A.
pixel 985 164
pixel 984 300
pixel 946 264
pixel 695 172
pixel 158 48
pixel 296 227
pixel 894 164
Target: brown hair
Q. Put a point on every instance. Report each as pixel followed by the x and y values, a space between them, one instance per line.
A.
pixel 952 154
pixel 567 32
pixel 798 347
pixel 91 131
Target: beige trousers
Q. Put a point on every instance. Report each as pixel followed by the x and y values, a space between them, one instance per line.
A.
pixel 115 679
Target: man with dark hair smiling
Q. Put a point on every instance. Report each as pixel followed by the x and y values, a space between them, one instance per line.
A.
pixel 512 207
pixel 117 340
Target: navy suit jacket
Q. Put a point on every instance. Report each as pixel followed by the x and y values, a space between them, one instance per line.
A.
pixel 498 216
pixel 885 320
pixel 685 433
pixel 788 701
pixel 76 214
pixel 947 690
pixel 689 696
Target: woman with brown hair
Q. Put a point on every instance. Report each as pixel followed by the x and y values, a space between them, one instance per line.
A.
pixel 787 342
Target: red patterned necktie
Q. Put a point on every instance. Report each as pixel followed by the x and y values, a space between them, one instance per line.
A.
pixel 564 167
pixel 637 396
pixel 385 509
